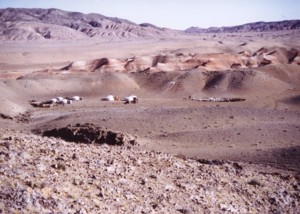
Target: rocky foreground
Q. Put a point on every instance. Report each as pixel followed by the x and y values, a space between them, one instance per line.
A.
pixel 48 175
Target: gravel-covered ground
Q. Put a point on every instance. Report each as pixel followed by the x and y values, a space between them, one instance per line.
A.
pixel 49 175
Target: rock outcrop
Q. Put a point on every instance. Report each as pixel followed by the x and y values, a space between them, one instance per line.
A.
pixel 89 133
pixel 48 175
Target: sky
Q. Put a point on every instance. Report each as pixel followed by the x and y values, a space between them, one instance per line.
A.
pixel 176 14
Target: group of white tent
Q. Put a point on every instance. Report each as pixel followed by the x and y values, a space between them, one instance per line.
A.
pixel 55 101
pixel 69 100
pixel 127 100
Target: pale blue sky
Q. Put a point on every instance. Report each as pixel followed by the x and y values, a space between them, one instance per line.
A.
pixel 176 14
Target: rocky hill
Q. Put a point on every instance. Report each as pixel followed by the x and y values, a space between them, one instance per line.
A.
pixel 250 27
pixel 55 24
pixel 49 175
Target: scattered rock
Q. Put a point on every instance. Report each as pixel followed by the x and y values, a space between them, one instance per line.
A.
pixel 254 182
pixel 24 118
pixel 184 211
pixel 211 162
pixel 85 178
pixel 89 133
pixel 41 167
pixel 59 166
pixel 5 116
pixel 237 166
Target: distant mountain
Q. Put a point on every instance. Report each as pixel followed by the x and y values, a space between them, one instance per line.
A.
pixel 55 24
pixel 250 27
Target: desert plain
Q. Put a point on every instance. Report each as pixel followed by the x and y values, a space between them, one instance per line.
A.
pixel 248 143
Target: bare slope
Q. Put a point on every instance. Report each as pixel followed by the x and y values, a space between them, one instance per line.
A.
pixel 53 176
pixel 54 24
pixel 181 62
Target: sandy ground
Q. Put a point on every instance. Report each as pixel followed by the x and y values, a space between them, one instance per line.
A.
pixel 264 129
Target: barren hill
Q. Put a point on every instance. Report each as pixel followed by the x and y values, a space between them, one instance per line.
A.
pixel 250 27
pixel 55 24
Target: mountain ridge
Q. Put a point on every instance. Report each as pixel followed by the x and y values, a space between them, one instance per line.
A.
pixel 40 24
pixel 23 24
pixel 249 27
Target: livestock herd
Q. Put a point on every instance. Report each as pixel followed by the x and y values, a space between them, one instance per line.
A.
pixel 217 99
